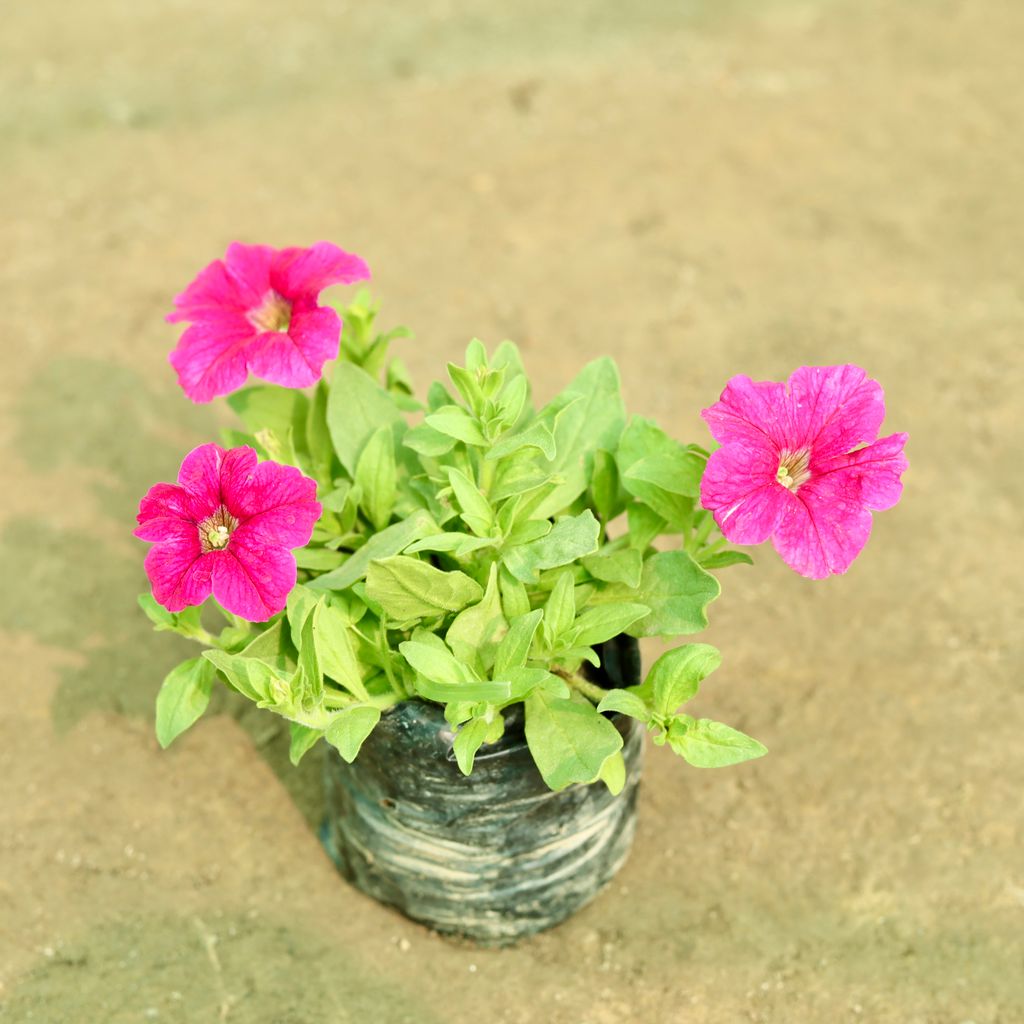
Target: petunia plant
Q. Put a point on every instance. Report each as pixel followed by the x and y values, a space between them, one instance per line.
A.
pixel 361 547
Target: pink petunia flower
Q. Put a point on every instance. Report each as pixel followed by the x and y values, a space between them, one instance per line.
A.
pixel 802 465
pixel 255 311
pixel 227 527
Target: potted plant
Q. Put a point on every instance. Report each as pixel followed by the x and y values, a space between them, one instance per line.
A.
pixel 449 591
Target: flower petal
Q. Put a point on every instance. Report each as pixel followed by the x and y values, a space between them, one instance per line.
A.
pixel 274 357
pixel 179 573
pixel 237 472
pixel 250 266
pixel 200 477
pixel 163 506
pixel 213 291
pixel 210 357
pixel 870 476
pixel 823 529
pixel 251 579
pixel 834 409
pixel 739 486
pixel 277 505
pixel 298 272
pixel 752 412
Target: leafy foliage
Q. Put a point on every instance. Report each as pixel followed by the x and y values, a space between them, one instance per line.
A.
pixel 475 551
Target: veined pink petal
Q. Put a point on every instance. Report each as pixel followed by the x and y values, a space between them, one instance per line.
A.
pixel 214 290
pixel 253 580
pixel 200 477
pixel 300 272
pixel 834 409
pixel 739 486
pixel 751 412
pixel 250 266
pixel 166 529
pixel 822 531
pixel 277 505
pixel 210 357
pixel 237 474
pixel 316 332
pixel 274 357
pixel 179 573
pixel 164 501
pixel 869 475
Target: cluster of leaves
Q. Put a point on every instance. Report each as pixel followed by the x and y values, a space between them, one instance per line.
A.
pixel 474 551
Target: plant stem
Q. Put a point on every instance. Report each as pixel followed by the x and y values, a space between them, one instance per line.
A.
pixel 589 690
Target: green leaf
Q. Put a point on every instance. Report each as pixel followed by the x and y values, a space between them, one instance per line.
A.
pixel 537 435
pixel 644 525
pixel 514 598
pixel 183 698
pixel 626 703
pixel 331 633
pixel 514 648
pixel 356 408
pixel 429 655
pixel 568 739
pixel 249 676
pixel 349 728
pixel 707 744
pixel 454 421
pixel 623 566
pixel 491 691
pixel 407 588
pixel 303 739
pixel 675 588
pixel 476 631
pixel 604 486
pixel 659 470
pixel 571 538
pixel 269 407
pixel 301 602
pixel 613 773
pixel 310 674
pixel 186 622
pixel 477 513
pixel 459 544
pixel 425 440
pixel 381 545
pixel 377 475
pixel 318 437
pixel 601 623
pixel 592 416
pixel 468 741
pixel 560 609
pixel 721 559
pixel 675 677
pixel 318 559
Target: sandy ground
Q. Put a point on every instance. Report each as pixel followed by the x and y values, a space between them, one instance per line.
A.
pixel 698 189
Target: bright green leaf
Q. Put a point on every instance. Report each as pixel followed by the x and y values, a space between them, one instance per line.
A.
pixel 183 698
pixel 303 739
pixel 722 559
pixel 477 513
pixel 626 703
pixel 350 727
pixel 622 566
pixel 407 588
pixel 514 649
pixel 707 744
pixel 675 677
pixel 377 475
pixel 571 538
pixel 454 421
pixel 602 622
pixel 568 739
pixel 356 408
pixel 388 542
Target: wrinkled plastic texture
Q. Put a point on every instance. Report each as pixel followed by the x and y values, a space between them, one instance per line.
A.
pixel 492 856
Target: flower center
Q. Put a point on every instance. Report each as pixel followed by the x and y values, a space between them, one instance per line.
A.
pixel 215 531
pixel 273 314
pixel 794 469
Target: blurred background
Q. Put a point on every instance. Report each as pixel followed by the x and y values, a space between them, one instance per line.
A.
pixel 697 188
